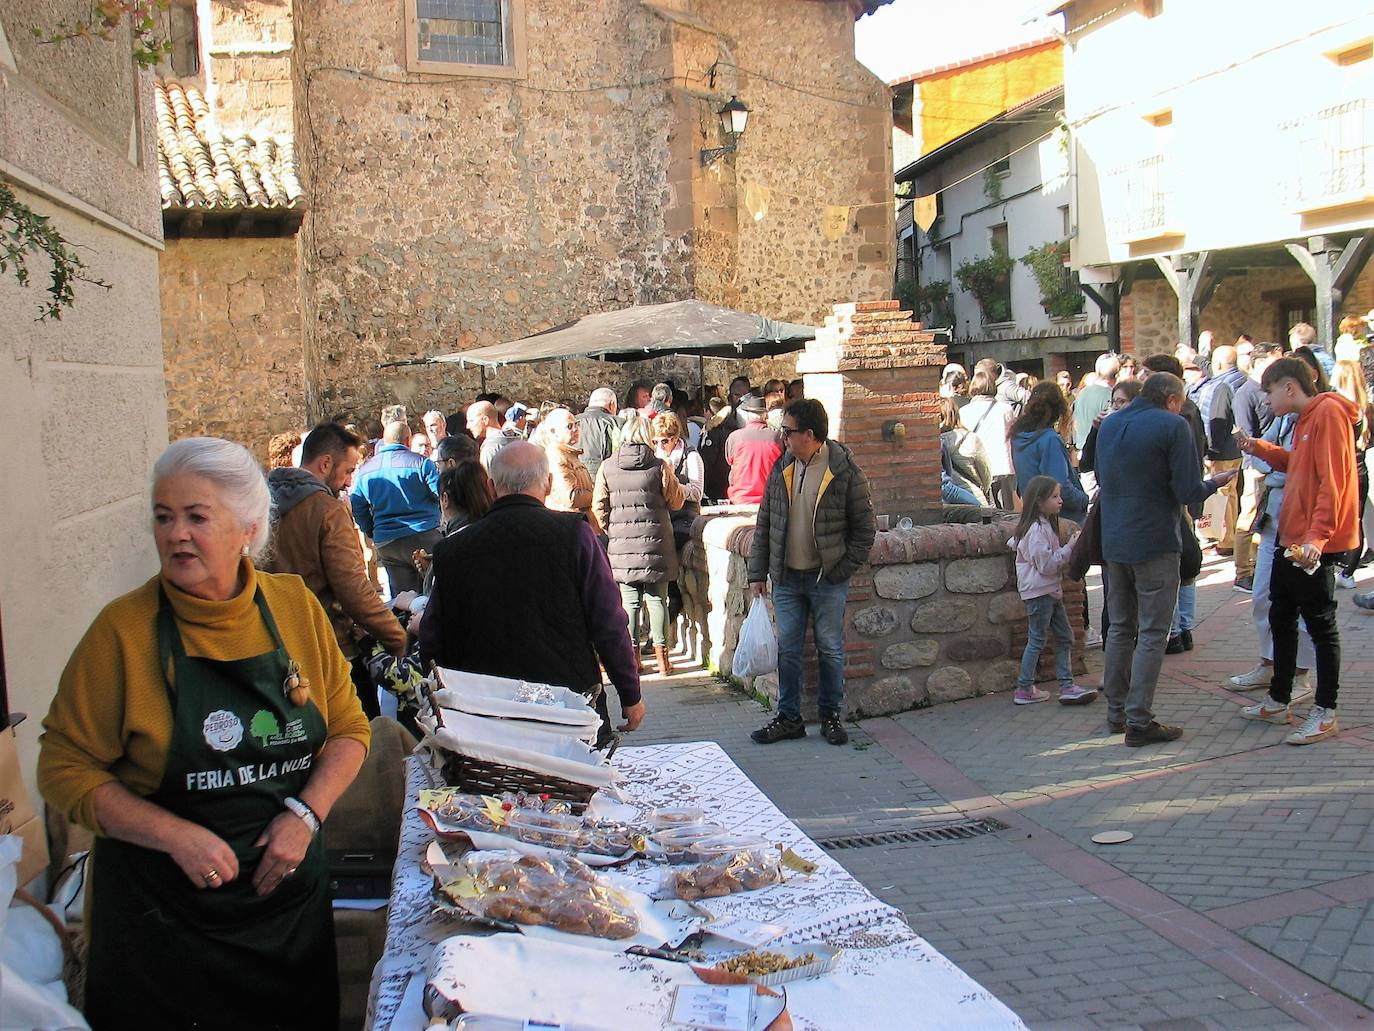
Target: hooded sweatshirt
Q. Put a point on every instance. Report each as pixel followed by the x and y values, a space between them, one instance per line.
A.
pixel 1040 561
pixel 1042 453
pixel 1321 495
pixel 292 486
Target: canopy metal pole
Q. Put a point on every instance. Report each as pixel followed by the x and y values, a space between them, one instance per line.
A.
pixel 563 367
pixel 483 370
pixel 701 377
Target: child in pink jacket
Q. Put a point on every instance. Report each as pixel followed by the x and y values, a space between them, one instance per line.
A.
pixel 1040 560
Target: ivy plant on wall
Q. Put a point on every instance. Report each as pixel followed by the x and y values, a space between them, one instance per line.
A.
pixel 1060 295
pixel 25 234
pixel 989 280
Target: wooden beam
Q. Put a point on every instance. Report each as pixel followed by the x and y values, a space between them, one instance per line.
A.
pixel 1170 273
pixel 1354 256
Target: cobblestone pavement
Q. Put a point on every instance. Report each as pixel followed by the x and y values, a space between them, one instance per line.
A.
pixel 1245 899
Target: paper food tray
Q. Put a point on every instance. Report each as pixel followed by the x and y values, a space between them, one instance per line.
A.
pixel 826 958
pixel 481 695
pixel 500 741
pixel 492 975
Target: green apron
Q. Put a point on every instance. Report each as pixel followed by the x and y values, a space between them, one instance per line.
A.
pixel 165 953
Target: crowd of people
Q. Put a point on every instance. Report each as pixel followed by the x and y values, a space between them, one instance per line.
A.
pixel 209 720
pixel 1253 449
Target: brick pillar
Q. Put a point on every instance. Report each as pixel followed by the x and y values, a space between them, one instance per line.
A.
pixel 871 365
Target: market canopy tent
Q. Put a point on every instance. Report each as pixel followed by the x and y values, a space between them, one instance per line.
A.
pixel 639 332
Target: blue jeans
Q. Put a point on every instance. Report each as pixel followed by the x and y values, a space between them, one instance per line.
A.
pixel 953 494
pixel 1185 612
pixel 1046 614
pixel 803 594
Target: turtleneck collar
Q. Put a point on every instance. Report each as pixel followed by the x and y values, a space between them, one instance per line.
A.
pixel 201 611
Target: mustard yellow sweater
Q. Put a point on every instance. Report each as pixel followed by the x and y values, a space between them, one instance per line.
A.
pixel 112 717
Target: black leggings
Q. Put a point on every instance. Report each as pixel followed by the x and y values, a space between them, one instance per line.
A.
pixel 1350 561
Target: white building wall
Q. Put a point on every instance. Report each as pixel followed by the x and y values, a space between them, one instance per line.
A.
pixel 1230 73
pixel 1033 192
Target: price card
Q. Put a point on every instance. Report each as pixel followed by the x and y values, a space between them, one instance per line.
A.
pixel 713 1007
pixel 743 930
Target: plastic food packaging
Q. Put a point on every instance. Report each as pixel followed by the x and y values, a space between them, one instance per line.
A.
pixel 676 843
pixel 725 873
pixel 611 838
pixel 548 829
pixel 560 893
pixel 676 816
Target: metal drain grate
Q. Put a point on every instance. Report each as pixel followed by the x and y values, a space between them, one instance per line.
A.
pixel 925 836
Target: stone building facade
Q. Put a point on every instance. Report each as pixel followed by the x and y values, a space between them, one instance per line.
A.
pixel 82 403
pixel 448 210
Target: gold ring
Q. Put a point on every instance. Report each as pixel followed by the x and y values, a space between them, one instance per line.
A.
pixel 289 872
pixel 213 875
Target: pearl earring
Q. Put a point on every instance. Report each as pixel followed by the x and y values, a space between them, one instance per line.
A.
pixel 245 551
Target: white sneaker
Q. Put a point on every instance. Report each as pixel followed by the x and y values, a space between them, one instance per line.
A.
pixel 1347 582
pixel 1320 723
pixel 1092 638
pixel 1268 711
pixel 1260 676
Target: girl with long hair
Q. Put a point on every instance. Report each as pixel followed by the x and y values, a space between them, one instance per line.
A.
pixel 1040 561
pixel 1038 450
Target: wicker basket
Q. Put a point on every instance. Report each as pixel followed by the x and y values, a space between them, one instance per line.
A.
pixel 480 777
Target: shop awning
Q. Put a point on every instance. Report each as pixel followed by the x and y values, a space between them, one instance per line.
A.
pixel 639 332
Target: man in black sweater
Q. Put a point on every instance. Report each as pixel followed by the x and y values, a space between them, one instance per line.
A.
pixel 571 617
pixel 1252 417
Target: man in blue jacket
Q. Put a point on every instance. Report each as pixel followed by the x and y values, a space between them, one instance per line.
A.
pixel 395 501
pixel 1147 471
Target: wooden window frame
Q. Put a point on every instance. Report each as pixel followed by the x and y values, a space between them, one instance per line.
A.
pixel 515 70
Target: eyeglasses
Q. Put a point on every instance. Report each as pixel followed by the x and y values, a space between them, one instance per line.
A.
pixel 789 430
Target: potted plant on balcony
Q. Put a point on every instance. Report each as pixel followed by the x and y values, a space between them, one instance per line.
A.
pixel 925 299
pixel 989 280
pixel 1060 295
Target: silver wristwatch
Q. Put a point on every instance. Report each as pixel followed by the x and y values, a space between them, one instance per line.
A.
pixel 304 811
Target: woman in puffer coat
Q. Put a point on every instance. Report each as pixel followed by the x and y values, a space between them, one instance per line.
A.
pixel 635 496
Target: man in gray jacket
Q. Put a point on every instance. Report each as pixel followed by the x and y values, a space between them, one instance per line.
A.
pixel 815 527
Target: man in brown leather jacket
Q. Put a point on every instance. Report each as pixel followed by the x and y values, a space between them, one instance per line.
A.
pixel 315 538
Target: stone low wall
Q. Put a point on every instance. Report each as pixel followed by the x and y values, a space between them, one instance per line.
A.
pixel 933 617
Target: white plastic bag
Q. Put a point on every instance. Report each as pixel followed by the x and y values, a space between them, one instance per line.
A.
pixel 757 651
pixel 26 1005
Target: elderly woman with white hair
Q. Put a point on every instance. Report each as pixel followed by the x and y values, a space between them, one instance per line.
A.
pixel 203 728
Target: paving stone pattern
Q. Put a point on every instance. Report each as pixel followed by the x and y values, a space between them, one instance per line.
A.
pixel 1241 843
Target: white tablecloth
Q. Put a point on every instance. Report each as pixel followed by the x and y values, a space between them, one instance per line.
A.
pixel 885 969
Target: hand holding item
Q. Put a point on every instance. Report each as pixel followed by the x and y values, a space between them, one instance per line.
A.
pixel 1244 441
pixel 756 590
pixel 1305 556
pixel 634 716
pixel 204 857
pixel 286 837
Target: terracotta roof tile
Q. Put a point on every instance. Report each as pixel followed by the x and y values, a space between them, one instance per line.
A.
pixel 201 166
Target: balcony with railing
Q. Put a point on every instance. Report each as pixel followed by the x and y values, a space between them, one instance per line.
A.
pixel 1333 157
pixel 1141 201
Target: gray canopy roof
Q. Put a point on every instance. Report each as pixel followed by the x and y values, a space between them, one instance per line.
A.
pixel 643 331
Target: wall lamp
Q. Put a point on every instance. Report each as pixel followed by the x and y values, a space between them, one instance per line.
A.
pixel 734 116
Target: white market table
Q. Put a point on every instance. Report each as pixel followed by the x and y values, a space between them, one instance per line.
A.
pixel 886 970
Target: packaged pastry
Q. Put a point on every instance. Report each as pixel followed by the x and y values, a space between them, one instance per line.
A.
pixel 561 893
pixel 668 816
pixel 726 871
pixel 675 844
pixel 548 829
pixel 613 838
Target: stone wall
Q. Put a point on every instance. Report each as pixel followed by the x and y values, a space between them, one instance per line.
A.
pixel 452 212
pixel 231 329
pixel 933 617
pixel 76 146
pixel 249 50
pixel 1244 302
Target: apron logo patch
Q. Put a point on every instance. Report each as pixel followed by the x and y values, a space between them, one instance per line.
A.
pixel 266 729
pixel 223 730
